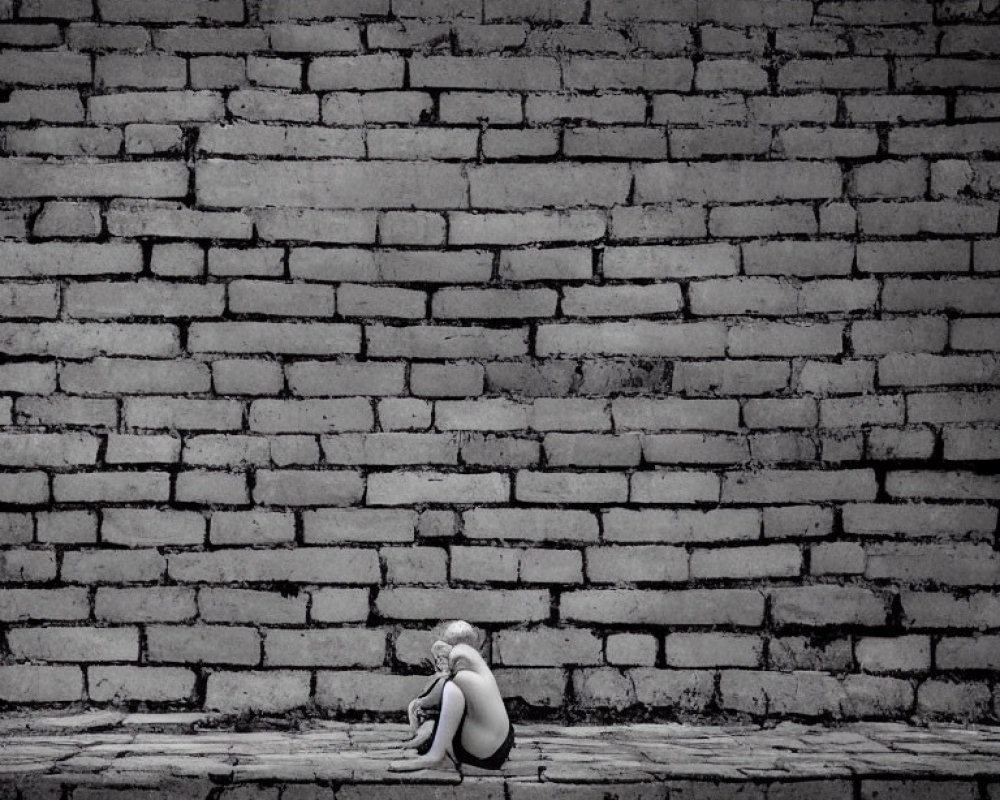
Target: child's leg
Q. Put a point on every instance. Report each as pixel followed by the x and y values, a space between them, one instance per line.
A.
pixel 452 708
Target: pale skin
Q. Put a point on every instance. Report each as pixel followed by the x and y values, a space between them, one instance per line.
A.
pixel 429 699
pixel 472 690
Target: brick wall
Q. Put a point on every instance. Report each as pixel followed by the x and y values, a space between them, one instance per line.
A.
pixel 658 338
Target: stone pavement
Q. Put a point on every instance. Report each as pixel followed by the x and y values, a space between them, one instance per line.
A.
pixel 100 755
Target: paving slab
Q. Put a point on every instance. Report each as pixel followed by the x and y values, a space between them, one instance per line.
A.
pixel 117 756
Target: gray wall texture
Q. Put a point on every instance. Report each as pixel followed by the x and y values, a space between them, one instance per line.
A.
pixel 657 338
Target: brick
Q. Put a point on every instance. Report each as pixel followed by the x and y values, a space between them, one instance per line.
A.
pixel 277 72
pixel 364 689
pixel 111 487
pixel 421 565
pixel 970 444
pixel 61 258
pixel 446 380
pixel 401 488
pixel 142 527
pixel 177 412
pixel 499 451
pixel 16 528
pixel 944 610
pixel 303 565
pixel 742 607
pixel 570 487
pixel 549 264
pixel 889 444
pixel 966 295
pixel 730 377
pixel 484 72
pixel 530 378
pixel 27 566
pixel 639 338
pixel 762 221
pixel 29 683
pixel 530 525
pixel 302 142
pixel 680 525
pixel 966 138
pixel 484 414
pixel 412 227
pixel 142 449
pixel 657 222
pixel 525 227
pixel 908 219
pixel 330 185
pixel 847 377
pixel 348 108
pixel 922 369
pixel 670 261
pixel 463 108
pixel 954 484
pixel 390 448
pixel 826 605
pixel 146 604
pixel 712 650
pixel 628 564
pixel 273 104
pixel 895 108
pixel 273 337
pixel 905 334
pixel 956 700
pixel 271 298
pixel 484 565
pixel 244 605
pixel 674 487
pixel 242 376
pixel 796 258
pixel 904 178
pixel 66 526
pixel 44 105
pixel 146 71
pixel 543 647
pixel 339 605
pixel 422 144
pixel 559 185
pixel 332 379
pixel 117 684
pixel 344 647
pixel 973 334
pixel 620 301
pixel 45 68
pixel 735 181
pixel 144 298
pixel 65 410
pixel 396 266
pixel 321 37
pixel 271 690
pixel 631 649
pixel 747 562
pixel 68 219
pixel 687 690
pixel 440 341
pixel 48 604
pixel 517 143
pixel 478 605
pixel 47 449
pixel 841 412
pixel 493 303
pixel 305 488
pixel 398 413
pixel 171 106
pixel 674 413
pixel 798 485
pixel 835 73
pixel 74 644
pixel 837 558
pixel 183 259
pixel 896 654
pixel 602 688
pixel 591 450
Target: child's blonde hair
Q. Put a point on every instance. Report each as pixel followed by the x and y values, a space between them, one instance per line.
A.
pixel 461 632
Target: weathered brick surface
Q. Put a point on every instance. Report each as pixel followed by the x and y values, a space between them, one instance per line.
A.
pixel 658 337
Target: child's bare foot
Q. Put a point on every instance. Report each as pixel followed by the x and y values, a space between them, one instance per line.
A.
pixel 414 764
